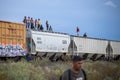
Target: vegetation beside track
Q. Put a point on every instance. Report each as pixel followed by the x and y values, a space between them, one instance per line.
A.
pixel 45 70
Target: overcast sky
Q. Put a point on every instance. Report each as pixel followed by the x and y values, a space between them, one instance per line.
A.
pixel 98 18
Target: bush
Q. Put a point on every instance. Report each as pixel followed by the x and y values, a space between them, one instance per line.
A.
pixel 21 71
pixel 45 70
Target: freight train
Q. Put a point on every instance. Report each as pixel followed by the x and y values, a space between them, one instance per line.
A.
pixel 15 40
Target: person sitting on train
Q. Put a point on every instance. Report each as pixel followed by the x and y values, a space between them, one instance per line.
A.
pixel 50 29
pixel 41 28
pixel 84 35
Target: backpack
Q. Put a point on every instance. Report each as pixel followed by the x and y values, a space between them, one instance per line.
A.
pixel 69 74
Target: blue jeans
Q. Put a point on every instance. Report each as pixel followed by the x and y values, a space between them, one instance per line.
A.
pixel 28 25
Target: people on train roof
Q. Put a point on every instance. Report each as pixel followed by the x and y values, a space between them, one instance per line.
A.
pixel 36 24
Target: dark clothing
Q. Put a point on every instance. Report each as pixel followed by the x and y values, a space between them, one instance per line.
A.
pixel 38 26
pixel 28 58
pixel 85 35
pixel 41 28
pixel 47 27
pixel 32 26
pixel 32 23
pixel 77 30
pixel 50 28
pixel 70 75
pixel 25 21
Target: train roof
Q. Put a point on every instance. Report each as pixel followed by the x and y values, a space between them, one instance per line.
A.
pixel 12 22
pixel 79 36
pixel 53 32
pixel 95 38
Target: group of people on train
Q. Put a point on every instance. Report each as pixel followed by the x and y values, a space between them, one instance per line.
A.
pixel 35 24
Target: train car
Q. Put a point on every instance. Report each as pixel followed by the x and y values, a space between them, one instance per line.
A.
pixel 45 43
pixel 12 39
pixel 91 48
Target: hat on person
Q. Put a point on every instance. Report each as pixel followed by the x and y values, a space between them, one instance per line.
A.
pixel 77 58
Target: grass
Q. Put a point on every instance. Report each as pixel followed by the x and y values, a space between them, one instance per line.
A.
pixel 45 70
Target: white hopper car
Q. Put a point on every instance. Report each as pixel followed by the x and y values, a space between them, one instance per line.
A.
pixel 54 44
pixel 48 44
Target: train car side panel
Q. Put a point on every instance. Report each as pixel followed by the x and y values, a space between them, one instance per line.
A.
pixel 12 39
pixel 116 47
pixel 86 45
pixel 51 42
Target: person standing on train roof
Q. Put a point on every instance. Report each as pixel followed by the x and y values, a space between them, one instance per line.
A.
pixel 36 24
pixel 32 23
pixel 77 30
pixel 28 23
pixel 76 72
pixel 25 21
pixel 39 23
pixel 47 25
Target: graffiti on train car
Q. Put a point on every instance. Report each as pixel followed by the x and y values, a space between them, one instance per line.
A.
pixel 12 50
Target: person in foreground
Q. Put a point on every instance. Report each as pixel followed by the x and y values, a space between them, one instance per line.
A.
pixel 76 72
